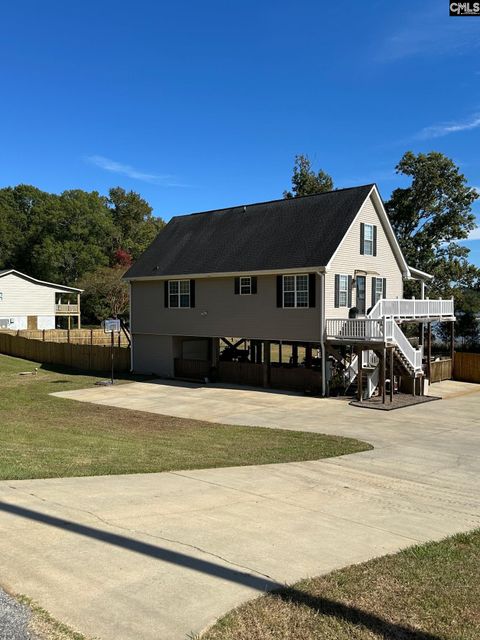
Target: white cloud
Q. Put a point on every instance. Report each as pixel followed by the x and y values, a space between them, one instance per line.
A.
pixel 113 166
pixel 439 130
pixel 428 32
pixel 475 234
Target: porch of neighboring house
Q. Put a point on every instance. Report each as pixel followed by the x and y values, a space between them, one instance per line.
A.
pixel 67 310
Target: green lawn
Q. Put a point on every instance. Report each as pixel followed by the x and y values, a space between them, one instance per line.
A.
pixel 427 592
pixel 42 436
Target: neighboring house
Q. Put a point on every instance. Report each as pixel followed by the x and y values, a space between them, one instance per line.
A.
pixel 285 272
pixel 28 303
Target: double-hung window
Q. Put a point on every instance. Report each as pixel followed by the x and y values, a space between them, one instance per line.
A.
pixel 245 286
pixel 179 294
pixel 377 286
pixel 368 240
pixel 342 290
pixel 295 291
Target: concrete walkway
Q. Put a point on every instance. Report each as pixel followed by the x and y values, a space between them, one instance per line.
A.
pixel 157 556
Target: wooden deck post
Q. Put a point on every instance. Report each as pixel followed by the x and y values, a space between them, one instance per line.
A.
pixel 295 354
pixel 280 352
pixel 383 375
pixel 452 342
pixel 429 351
pixel 308 355
pixel 266 363
pixel 391 374
pixel 360 374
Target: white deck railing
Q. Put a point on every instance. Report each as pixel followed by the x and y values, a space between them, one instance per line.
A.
pixel 383 331
pixel 413 309
pixel 355 329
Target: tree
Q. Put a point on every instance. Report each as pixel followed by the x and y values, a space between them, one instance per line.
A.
pixel 134 225
pixel 429 218
pixel 105 293
pixel 60 238
pixel 305 181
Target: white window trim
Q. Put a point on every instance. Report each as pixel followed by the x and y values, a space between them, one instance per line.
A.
pixel 249 284
pixel 1 296
pixel 365 239
pixel 295 276
pixel 179 294
pixel 378 280
pixel 340 290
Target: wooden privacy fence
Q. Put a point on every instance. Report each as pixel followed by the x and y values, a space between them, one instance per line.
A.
pixel 441 370
pixel 73 336
pixel 248 373
pixel 77 356
pixel 466 367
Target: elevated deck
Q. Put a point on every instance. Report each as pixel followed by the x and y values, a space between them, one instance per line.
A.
pixel 414 310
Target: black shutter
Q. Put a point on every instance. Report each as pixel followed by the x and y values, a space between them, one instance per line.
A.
pixel 384 288
pixel 349 291
pixel 254 284
pixel 192 294
pixel 362 237
pixel 237 286
pixel 165 294
pixel 375 240
pixel 337 290
pixel 374 286
pixel 311 289
pixel 279 291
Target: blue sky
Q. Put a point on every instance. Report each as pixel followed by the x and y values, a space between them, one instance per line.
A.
pixel 203 105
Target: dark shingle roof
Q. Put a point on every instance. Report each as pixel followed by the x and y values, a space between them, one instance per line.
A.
pixel 280 234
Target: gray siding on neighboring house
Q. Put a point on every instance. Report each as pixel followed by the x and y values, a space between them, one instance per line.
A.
pixel 348 258
pixel 219 312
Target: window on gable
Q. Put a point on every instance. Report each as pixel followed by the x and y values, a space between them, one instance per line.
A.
pixel 179 294
pixel 368 240
pixel 295 291
pixel 245 286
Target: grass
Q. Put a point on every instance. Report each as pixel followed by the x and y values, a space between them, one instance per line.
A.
pixel 45 626
pixel 427 592
pixel 42 436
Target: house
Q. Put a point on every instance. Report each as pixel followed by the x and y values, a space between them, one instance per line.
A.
pixel 28 303
pixel 226 293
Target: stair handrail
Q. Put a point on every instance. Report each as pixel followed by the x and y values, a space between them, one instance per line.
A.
pixel 414 356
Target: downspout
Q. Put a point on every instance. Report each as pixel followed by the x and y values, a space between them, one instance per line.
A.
pixel 322 332
pixel 130 323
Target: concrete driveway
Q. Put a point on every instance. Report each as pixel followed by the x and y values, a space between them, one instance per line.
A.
pixel 157 556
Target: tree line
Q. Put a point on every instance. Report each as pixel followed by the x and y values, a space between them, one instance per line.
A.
pixel 86 239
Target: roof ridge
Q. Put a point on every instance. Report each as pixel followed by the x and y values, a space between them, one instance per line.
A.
pixel 254 204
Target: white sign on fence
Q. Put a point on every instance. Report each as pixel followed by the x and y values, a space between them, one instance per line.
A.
pixel 111 325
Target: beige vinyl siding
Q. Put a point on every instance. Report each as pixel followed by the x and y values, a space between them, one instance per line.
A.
pixel 22 297
pixel 219 312
pixel 348 258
